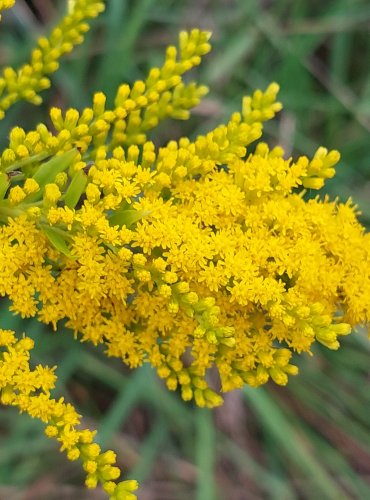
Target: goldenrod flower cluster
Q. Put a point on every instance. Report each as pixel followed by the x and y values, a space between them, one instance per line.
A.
pixel 29 390
pixel 203 258
pixel 30 79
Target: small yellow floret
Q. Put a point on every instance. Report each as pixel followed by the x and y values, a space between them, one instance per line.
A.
pixel 30 186
pixel 52 193
pixel 16 195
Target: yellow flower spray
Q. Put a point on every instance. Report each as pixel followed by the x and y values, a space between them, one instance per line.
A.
pixel 197 255
pixel 29 390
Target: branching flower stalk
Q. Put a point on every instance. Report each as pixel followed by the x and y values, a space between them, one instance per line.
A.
pixel 26 82
pixel 195 256
pixel 29 390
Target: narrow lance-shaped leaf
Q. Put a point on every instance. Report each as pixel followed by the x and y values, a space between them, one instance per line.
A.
pixel 127 217
pixel 75 189
pixel 57 240
pixel 4 184
pixel 47 172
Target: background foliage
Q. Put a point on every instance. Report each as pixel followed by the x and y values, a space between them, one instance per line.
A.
pixel 309 440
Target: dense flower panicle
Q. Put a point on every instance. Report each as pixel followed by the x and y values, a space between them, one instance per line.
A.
pixel 29 390
pixel 137 110
pixel 197 255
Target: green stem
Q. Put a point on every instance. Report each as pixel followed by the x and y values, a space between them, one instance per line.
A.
pixel 27 161
pixel 6 212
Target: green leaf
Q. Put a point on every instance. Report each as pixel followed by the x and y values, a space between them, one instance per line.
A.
pixel 127 217
pixel 47 171
pixel 4 184
pixel 122 406
pixel 281 430
pixel 75 189
pixel 57 240
pixel 150 450
pixel 205 455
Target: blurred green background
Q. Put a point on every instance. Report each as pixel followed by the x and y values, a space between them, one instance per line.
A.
pixel 309 440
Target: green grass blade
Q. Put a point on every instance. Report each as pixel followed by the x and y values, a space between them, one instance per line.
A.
pixel 205 455
pixel 290 441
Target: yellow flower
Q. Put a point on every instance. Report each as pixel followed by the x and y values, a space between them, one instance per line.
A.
pixel 197 249
pixel 30 391
pixel 6 4
pixel 30 79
